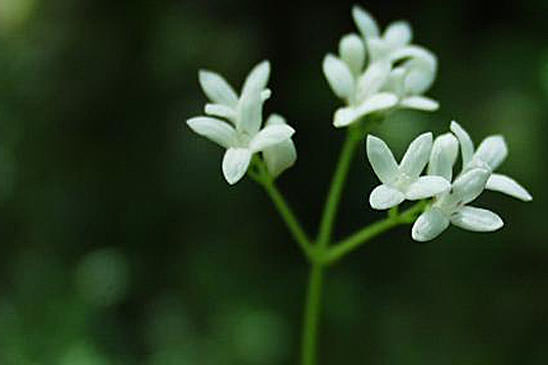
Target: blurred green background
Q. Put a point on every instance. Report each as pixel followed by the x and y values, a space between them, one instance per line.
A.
pixel 122 244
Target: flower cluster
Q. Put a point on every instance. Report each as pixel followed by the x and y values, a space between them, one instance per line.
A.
pixel 397 72
pixel 235 123
pixel 449 199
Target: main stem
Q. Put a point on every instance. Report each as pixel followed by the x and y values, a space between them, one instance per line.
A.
pixel 312 315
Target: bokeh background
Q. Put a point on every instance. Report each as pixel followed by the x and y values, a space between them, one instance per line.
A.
pixel 122 244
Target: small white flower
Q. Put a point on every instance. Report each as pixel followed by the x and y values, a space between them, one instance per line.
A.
pixel 403 181
pixel 243 136
pixel 380 86
pixel 492 151
pixel 451 208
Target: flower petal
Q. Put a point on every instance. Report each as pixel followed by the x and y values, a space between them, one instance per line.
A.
pixel 426 187
pixel 443 156
pixel 266 94
pixel 339 76
pixel 352 52
pixel 250 111
pixel 469 185
pixel 365 22
pixel 257 78
pixel 375 103
pixel 269 136
pixel 466 144
pixel 217 89
pixel 385 197
pixel 419 103
pixel 216 130
pixel 344 116
pixel 398 34
pixel 492 150
pixel 281 156
pixel 221 111
pixel 508 186
pixel 381 159
pixel 235 164
pixel 372 80
pixel 429 225
pixel 476 219
pixel 416 156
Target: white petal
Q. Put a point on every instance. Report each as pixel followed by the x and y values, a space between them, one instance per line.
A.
pixel 235 164
pixel 381 159
pixel 429 225
pixel 365 22
pixel 509 186
pixel 257 79
pixel 426 187
pixel 344 117
pixel 466 144
pixel 476 219
pixel 419 103
pixel 375 103
pixel 280 157
pixel 352 51
pixel 269 136
pixel 379 50
pixel 385 197
pixel 398 34
pixel 421 73
pixel 492 150
pixel 266 94
pixel 221 111
pixel 416 156
pixel 339 76
pixel 250 111
pixel 217 89
pixel 469 185
pixel 216 130
pixel 443 156
pixel 373 79
pixel 394 82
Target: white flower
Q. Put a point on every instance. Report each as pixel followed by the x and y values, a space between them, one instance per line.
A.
pixel 492 151
pixel 403 181
pixel 380 86
pixel 451 208
pixel 243 136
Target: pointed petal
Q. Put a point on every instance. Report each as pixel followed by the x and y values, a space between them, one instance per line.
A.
pixel 385 197
pixel 416 156
pixel 375 103
pixel 466 144
pixel 352 52
pixel 221 111
pixel 217 89
pixel 492 150
pixel 339 76
pixel 373 79
pixel 381 159
pixel 426 187
pixel 365 22
pixel 476 219
pixel 429 225
pixel 235 164
pixel 469 185
pixel 216 130
pixel 250 111
pixel 398 34
pixel 269 136
pixel 419 103
pixel 257 79
pixel 508 186
pixel 443 156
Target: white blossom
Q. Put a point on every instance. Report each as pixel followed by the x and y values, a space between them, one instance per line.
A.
pixel 381 85
pixel 403 181
pixel 241 134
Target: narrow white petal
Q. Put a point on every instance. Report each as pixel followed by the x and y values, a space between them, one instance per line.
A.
pixel 221 111
pixel 466 144
pixel 375 103
pixel 275 119
pixel 339 76
pixel 398 34
pixel 421 73
pixel 394 82
pixel 216 130
pixel 235 164
pixel 492 150
pixel 269 136
pixel 250 111
pixel 419 103
pixel 443 156
pixel 352 51
pixel 257 79
pixel 509 186
pixel 365 22
pixel 429 225
pixel 426 187
pixel 344 116
pixel 381 159
pixel 280 157
pixel 385 197
pixel 217 89
pixel 469 185
pixel 416 156
pixel 372 80
pixel 379 50
pixel 476 219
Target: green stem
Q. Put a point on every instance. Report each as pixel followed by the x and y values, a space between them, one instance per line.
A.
pixel 311 315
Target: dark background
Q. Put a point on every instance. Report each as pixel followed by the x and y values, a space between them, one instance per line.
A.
pixel 121 243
